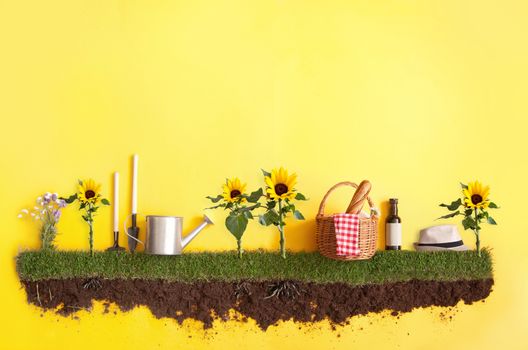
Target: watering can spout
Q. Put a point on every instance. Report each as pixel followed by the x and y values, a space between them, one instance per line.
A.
pixel 187 239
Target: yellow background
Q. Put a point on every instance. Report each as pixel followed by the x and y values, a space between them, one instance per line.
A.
pixel 412 95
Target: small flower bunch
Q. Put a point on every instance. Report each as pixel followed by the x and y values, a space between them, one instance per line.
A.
pixel 281 194
pixel 48 212
pixel 474 205
pixel 235 199
pixel 89 196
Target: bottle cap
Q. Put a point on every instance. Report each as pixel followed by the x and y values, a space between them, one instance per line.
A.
pixel 393 201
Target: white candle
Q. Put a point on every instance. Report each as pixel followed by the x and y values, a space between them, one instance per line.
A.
pixel 116 201
pixel 134 184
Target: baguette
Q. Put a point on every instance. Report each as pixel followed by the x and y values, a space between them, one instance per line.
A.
pixel 362 192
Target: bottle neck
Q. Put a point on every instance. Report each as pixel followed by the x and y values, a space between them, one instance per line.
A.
pixel 394 210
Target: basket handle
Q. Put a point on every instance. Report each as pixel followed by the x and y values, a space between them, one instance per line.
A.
pixel 340 184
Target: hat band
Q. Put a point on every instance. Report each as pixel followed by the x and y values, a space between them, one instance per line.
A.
pixel 442 245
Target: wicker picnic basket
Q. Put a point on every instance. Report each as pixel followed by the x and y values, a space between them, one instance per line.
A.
pixel 326 236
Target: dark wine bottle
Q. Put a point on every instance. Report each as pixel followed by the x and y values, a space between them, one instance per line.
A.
pixel 393 234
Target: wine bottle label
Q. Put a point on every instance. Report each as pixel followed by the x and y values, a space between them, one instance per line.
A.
pixel 393 235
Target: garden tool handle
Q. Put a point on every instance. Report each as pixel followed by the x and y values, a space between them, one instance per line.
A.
pixel 320 213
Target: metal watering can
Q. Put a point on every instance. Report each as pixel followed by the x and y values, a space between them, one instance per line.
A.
pixel 164 234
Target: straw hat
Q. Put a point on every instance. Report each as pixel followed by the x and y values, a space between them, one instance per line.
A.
pixel 441 237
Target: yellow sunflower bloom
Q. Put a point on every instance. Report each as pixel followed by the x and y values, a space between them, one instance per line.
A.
pixel 88 191
pixel 476 195
pixel 280 185
pixel 233 189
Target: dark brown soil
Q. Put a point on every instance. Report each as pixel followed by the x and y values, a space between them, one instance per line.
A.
pixel 265 302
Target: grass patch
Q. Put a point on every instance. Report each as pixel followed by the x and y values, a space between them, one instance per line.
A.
pixel 385 266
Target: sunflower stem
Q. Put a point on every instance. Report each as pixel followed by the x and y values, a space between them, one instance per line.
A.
pixel 91 238
pixel 281 231
pixel 477 232
pixel 239 248
pixel 90 225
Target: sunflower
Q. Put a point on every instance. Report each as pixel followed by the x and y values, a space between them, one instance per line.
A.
pixel 88 191
pixel 280 185
pixel 233 189
pixel 476 195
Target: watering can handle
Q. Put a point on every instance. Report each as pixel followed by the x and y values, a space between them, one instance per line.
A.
pixel 125 229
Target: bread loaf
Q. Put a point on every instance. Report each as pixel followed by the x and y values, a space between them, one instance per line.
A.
pixel 362 192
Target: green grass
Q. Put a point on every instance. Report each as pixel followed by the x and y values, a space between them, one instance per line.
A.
pixel 385 266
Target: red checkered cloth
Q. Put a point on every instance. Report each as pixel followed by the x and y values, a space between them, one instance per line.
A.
pixel 347 233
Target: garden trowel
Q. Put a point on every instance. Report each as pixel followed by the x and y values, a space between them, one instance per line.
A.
pixel 133 234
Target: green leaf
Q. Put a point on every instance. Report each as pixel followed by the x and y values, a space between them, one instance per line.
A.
pixel 271 204
pixel 454 205
pixel 493 205
pixel 80 182
pixel 266 173
pixel 469 223
pixel 298 215
pixel 270 217
pixel 449 215
pixel 300 197
pixel 248 214
pixel 82 206
pixel 105 201
pixel 250 208
pixel 215 199
pixel 70 199
pixel 491 221
pixel 255 196
pixel 464 186
pixel 236 224
pixel 287 208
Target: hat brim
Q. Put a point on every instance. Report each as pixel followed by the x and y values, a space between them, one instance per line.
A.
pixel 421 248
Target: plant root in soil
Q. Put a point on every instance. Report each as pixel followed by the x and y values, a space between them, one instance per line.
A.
pixel 267 302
